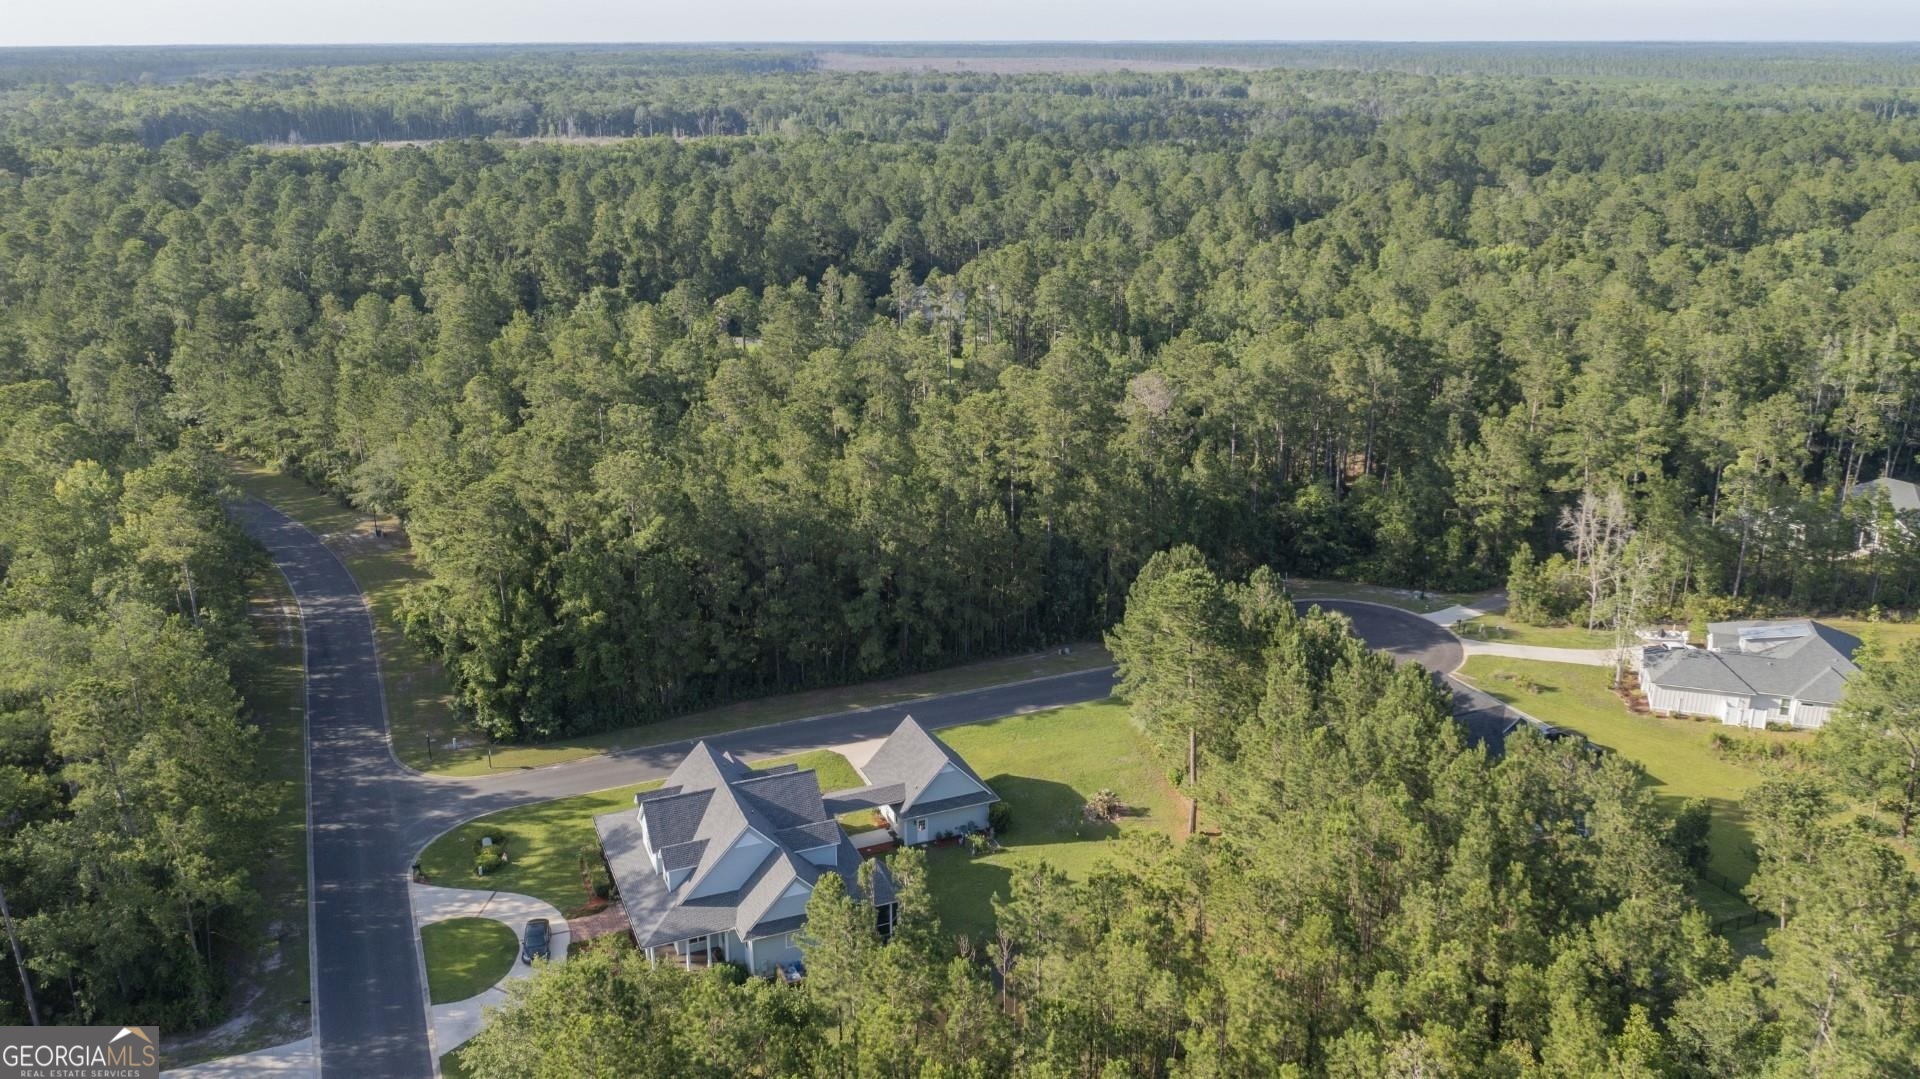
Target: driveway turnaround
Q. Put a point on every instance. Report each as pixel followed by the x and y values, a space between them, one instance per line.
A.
pixel 368 816
pixel 455 1023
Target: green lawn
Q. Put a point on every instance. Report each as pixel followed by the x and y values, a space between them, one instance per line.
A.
pixel 272 979
pixel 1676 753
pixel 1887 634
pixel 1500 629
pixel 545 840
pixel 765 710
pixel 1407 599
pixel 465 956
pixel 419 705
pixel 1046 765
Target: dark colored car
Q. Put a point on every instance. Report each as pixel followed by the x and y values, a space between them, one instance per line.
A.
pixel 537 941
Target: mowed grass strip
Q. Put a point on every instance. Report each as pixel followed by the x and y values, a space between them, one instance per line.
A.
pixel 1677 754
pixel 273 975
pixel 1046 765
pixel 276 701
pixel 473 760
pixel 466 956
pixel 546 841
pixel 1499 629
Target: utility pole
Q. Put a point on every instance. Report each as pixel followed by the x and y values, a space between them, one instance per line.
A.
pixel 19 960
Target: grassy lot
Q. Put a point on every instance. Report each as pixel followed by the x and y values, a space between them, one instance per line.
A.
pixel 465 956
pixel 1046 765
pixel 1499 628
pixel 271 983
pixel 419 705
pixel 545 840
pixel 1408 599
pixel 1676 753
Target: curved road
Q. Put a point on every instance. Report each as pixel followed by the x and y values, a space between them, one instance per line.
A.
pixel 367 816
pixel 1407 637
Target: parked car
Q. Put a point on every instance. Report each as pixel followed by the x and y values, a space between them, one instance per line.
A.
pixel 537 941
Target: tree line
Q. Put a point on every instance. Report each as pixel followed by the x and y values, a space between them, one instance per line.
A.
pixel 678 422
pixel 130 802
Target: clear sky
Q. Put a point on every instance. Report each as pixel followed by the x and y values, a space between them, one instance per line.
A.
pixel 139 22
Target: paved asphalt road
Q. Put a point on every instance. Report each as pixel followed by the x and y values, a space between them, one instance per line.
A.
pixel 368 816
pixel 1408 637
pixel 369 1009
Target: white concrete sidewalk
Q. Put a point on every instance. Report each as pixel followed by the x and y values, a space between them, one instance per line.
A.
pixel 455 1023
pixel 1586 657
pixel 294 1060
pixel 1467 612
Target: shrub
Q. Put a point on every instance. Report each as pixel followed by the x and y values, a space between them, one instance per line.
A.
pixel 489 859
pixel 978 844
pixel 999 817
pixel 1103 806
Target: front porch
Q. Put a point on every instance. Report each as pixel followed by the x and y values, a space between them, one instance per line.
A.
pixel 696 953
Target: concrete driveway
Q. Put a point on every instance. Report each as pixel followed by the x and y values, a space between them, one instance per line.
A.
pixel 456 1022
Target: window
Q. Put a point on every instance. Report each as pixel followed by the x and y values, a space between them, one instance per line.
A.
pixel 884 921
pixel 1786 706
pixel 920 826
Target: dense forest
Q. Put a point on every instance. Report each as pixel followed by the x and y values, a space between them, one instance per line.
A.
pixel 1381 901
pixel 826 375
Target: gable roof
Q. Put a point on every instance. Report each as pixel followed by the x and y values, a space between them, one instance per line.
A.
pixel 1797 659
pixel 1901 494
pixel 692 824
pixel 912 758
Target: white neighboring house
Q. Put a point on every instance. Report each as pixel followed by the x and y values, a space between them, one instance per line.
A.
pixel 1754 673
pixel 923 789
pixel 1902 497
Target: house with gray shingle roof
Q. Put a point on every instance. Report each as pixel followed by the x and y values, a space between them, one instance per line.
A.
pixel 1897 506
pixel 1751 674
pixel 925 790
pixel 717 864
